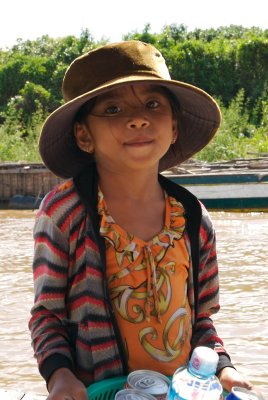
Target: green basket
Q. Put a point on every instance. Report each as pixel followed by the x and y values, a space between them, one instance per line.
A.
pixel 106 389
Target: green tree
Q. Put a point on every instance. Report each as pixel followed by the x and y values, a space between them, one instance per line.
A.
pixel 252 67
pixel 145 36
pixel 231 63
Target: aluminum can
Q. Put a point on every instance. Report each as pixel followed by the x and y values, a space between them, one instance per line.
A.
pixel 238 393
pixel 133 394
pixel 150 382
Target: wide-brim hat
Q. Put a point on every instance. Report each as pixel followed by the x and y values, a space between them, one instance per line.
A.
pixel 112 66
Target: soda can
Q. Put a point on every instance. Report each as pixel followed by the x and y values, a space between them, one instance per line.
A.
pixel 150 382
pixel 238 393
pixel 133 394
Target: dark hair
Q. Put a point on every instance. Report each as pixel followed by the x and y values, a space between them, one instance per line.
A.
pixel 83 111
pixel 174 102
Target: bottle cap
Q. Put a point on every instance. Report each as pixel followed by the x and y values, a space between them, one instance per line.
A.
pixel 203 361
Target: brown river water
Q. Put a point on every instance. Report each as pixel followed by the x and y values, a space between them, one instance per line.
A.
pixel 242 242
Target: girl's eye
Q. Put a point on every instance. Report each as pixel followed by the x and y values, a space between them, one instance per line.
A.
pixel 112 110
pixel 152 104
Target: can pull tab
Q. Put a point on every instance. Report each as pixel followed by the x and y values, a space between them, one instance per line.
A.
pixel 146 383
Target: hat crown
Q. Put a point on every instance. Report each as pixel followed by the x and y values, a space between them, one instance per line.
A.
pixel 98 67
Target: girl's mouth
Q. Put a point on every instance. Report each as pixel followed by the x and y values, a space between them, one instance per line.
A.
pixel 139 142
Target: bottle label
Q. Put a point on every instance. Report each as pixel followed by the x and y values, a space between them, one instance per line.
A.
pixel 187 387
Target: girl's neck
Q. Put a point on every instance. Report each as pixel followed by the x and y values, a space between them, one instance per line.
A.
pixel 136 186
pixel 136 202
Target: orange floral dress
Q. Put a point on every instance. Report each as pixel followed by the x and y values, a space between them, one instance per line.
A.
pixel 147 283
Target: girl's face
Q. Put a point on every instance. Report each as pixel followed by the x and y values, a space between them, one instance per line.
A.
pixel 130 127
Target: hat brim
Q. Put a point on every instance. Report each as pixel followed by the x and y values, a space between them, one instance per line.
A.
pixel 200 119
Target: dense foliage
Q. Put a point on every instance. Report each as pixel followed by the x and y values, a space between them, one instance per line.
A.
pixel 231 63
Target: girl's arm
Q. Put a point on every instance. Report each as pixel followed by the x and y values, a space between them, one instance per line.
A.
pixel 50 338
pixel 204 332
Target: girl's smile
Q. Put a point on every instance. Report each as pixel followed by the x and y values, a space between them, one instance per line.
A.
pixel 139 141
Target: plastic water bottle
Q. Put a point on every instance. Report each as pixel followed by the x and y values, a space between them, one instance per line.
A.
pixel 197 380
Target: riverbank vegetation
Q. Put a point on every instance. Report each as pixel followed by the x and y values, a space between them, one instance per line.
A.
pixel 230 63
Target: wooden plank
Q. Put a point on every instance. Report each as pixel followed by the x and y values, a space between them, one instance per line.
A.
pixel 16 395
pixel 10 395
pixel 34 397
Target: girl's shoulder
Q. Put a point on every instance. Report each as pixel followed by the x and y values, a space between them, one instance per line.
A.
pixel 60 193
pixel 206 221
pixel 61 201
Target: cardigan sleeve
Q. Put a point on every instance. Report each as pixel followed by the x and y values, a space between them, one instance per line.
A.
pixel 50 339
pixel 204 331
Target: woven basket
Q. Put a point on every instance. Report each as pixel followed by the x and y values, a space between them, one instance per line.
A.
pixel 106 389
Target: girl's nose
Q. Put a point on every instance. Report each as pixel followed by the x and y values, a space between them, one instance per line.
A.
pixel 137 123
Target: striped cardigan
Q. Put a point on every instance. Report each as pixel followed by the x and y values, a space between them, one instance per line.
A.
pixel 72 323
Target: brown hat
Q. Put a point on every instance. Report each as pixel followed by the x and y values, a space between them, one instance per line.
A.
pixel 115 65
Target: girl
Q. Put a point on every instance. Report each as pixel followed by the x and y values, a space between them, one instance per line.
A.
pixel 125 267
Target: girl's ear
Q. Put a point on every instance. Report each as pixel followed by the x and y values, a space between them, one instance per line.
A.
pixel 175 131
pixel 83 138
